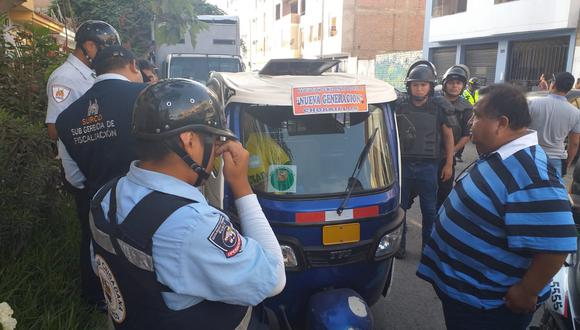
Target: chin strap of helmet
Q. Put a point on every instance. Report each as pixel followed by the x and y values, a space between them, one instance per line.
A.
pixel 86 55
pixel 202 175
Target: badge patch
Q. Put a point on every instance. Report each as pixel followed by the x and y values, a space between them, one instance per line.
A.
pixel 60 93
pixel 93 108
pixel 111 291
pixel 226 238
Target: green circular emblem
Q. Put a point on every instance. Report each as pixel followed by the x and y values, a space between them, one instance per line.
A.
pixel 282 178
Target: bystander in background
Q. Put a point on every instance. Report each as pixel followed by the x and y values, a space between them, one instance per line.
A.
pixel 555 119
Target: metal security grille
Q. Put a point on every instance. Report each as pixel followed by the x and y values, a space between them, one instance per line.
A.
pixel 481 60
pixel 443 59
pixel 527 60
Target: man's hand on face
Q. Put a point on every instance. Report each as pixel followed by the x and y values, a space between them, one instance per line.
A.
pixel 519 300
pixel 236 160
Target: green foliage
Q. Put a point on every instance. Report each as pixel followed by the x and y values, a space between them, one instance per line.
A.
pixel 173 18
pixel 204 8
pixel 29 174
pixel 29 178
pixel 25 64
pixel 131 18
pixel 39 243
pixel 134 19
pixel 43 286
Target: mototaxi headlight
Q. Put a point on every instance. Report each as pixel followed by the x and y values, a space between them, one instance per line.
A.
pixel 389 243
pixel 289 256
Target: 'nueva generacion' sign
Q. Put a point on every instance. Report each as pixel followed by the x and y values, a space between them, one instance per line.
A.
pixel 329 99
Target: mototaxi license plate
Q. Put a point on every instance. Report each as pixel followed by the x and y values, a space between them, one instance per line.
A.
pixel 341 234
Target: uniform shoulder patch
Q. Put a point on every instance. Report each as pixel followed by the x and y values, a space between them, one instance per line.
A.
pixel 226 238
pixel 60 93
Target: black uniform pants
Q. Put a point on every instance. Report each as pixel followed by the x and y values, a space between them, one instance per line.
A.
pixel 90 284
pixel 444 187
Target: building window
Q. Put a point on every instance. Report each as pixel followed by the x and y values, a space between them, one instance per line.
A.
pixel 443 58
pixel 224 42
pixel 481 60
pixel 302 7
pixel 294 8
pixel 528 59
pixel 332 31
pixel 448 7
pixel 279 11
pixel 311 34
pixel 319 31
pixel 501 1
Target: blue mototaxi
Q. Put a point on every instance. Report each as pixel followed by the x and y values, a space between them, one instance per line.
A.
pixel 327 180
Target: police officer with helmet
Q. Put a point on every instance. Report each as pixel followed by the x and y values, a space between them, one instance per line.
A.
pixel 425 124
pixel 471 93
pixel 65 85
pixel 167 259
pixel 454 81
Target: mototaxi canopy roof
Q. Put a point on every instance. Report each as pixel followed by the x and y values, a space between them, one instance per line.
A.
pixel 255 88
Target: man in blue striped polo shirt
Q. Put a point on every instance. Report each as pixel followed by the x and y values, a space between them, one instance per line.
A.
pixel 506 227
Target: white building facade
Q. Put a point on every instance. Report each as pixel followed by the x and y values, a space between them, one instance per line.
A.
pixel 288 28
pixel 511 41
pixel 339 29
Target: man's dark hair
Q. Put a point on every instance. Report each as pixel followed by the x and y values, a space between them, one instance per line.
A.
pixel 151 150
pixel 505 100
pixel 145 65
pixel 112 58
pixel 564 82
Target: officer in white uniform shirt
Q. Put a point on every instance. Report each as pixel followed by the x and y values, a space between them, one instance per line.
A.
pixel 65 85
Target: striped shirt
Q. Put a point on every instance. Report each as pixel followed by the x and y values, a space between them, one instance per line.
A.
pixel 510 205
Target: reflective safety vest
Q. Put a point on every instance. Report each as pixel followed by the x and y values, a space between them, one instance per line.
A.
pixel 471 98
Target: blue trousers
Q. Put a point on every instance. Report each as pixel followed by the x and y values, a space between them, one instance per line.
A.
pixel 419 178
pixel 460 316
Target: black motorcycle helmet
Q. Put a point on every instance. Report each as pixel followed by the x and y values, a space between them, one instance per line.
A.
pixel 172 106
pixel 421 71
pixel 99 32
pixel 458 72
pixel 474 83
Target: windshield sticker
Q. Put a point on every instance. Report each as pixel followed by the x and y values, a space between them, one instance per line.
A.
pixel 282 179
pixel 329 99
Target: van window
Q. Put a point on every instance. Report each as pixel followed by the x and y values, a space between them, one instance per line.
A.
pixel 198 68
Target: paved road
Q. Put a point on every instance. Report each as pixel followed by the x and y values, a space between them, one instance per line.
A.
pixel 412 303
